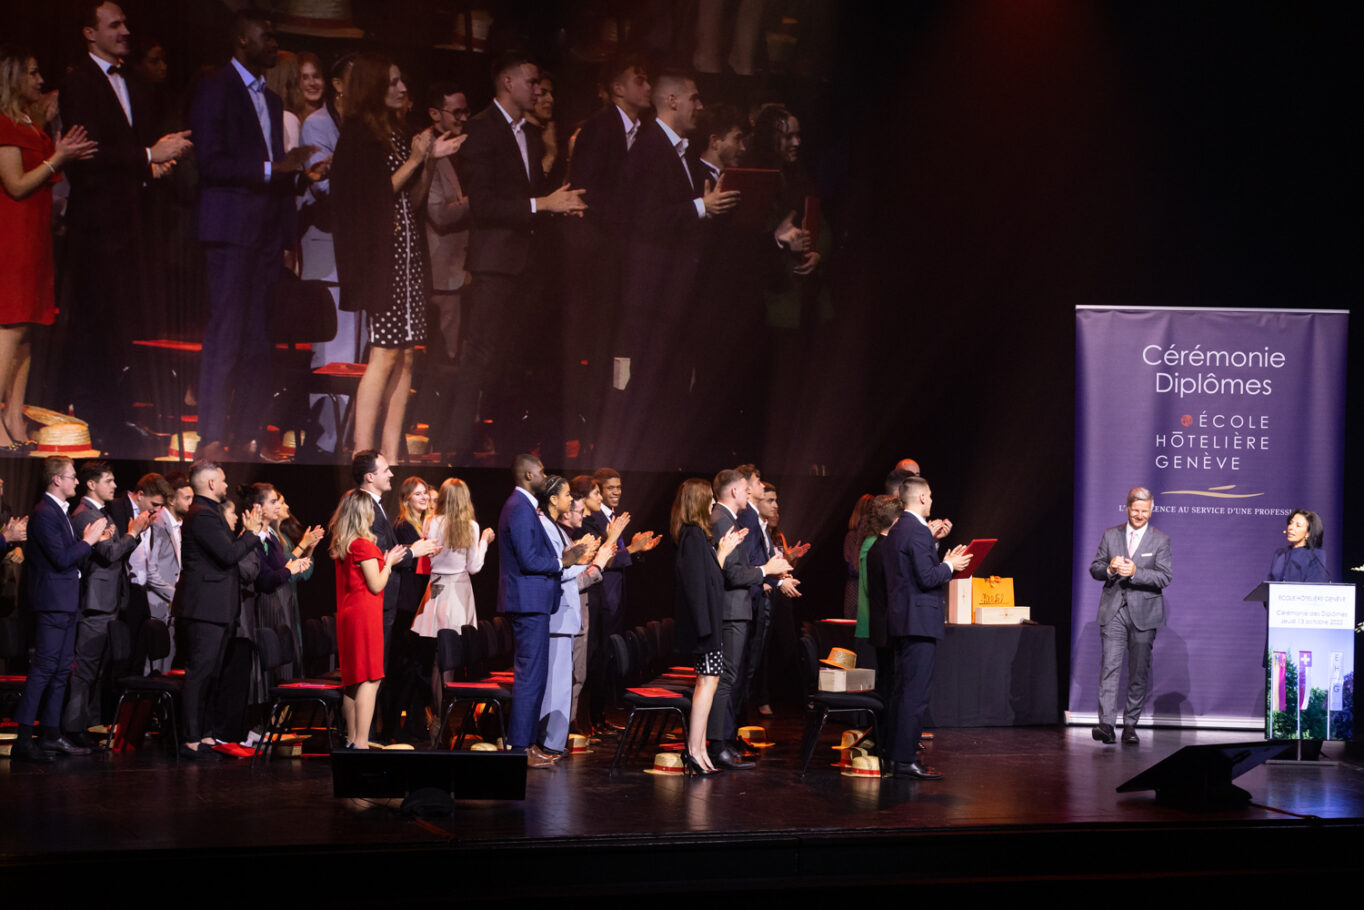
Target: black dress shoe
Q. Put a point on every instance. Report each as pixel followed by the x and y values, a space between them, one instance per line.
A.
pixel 1129 736
pixel 86 741
pixel 63 746
pixel 725 757
pixel 199 752
pixel 913 769
pixel 29 751
pixel 1104 734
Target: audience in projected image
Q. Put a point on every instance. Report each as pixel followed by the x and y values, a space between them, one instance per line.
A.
pixel 539 221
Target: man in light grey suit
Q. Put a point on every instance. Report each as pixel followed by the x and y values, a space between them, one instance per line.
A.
pixel 447 216
pixel 163 563
pixel 1133 562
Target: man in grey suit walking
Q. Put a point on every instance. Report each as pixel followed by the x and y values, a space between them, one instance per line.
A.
pixel 1133 562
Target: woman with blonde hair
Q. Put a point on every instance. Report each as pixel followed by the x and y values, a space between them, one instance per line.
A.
pixel 361 573
pixel 449 602
pixel 285 80
pixel 30 162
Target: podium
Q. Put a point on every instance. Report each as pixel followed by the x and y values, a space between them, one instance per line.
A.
pixel 1309 635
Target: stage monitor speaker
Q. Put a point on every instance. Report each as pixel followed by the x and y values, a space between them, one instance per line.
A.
pixel 392 773
pixel 1199 776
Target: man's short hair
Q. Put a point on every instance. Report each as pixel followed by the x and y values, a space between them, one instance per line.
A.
pixel 719 121
pixel 749 471
pixel 55 466
pixel 437 92
pixel 92 470
pixel 523 463
pixel 178 480
pixel 672 79
pixel 884 510
pixel 199 469
pixel 154 484
pixel 724 480
pixel 910 487
pixel 363 462
pixel 250 15
pixel 88 11
pixel 602 475
pixel 619 65
pixel 508 60
pixel 1138 494
pixel 768 488
pixel 896 478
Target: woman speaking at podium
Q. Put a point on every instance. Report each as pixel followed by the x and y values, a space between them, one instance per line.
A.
pixel 1302 559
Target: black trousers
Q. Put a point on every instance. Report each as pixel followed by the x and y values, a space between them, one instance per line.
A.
pixel 723 725
pixel 914 658
pixel 205 646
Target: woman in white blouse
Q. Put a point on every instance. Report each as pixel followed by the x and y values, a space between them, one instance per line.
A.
pixel 449 601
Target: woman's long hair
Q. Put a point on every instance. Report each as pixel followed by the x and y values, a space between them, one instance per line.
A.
pixel 14 62
pixel 351 522
pixel 285 79
pixel 366 99
pixel 691 506
pixel 405 512
pixel 1316 529
pixel 456 506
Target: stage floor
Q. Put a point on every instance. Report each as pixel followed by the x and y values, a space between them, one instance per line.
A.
pixel 1017 806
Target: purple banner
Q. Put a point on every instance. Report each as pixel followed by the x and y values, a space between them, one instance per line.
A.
pixel 1232 418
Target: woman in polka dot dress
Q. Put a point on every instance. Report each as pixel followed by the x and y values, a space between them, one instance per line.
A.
pixel 379 180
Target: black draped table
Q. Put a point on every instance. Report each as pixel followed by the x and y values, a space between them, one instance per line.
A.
pixel 984 676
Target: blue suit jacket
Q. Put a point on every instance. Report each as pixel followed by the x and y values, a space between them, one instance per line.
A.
pixel 236 204
pixel 528 569
pixel 916 581
pixel 52 560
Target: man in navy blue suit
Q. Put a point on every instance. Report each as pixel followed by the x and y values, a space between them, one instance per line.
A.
pixel 916 585
pixel 528 579
pixel 54 557
pixel 246 223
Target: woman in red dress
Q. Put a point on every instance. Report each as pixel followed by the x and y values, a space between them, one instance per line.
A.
pixel 30 161
pixel 361 574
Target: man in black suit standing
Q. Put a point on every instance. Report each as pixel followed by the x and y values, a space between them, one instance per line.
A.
pixel 916 596
pixel 665 208
pixel 52 573
pixel 103 308
pixel 246 224
pixel 499 167
pixel 592 244
pixel 208 598
pixel 103 590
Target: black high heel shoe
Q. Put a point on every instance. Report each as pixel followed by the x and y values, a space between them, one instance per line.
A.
pixel 691 767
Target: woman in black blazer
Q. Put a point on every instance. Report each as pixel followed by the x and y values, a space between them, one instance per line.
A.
pixel 700 601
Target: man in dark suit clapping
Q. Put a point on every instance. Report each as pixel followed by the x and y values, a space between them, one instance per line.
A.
pixel 499 167
pixel 208 598
pixel 916 612
pixel 54 555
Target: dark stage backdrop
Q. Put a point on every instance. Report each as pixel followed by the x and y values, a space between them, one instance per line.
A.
pixel 985 167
